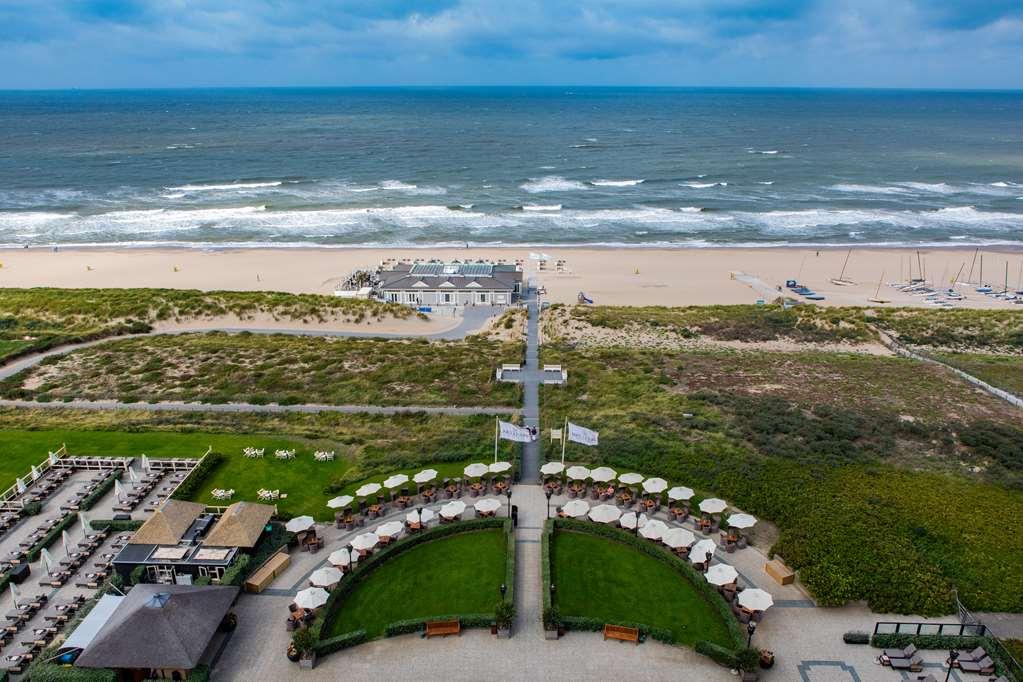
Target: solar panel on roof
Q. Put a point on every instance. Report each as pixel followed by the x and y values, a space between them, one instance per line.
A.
pixel 460 269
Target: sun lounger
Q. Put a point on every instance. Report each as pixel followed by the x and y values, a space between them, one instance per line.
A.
pixel 975 655
pixel 901 653
pixel 913 665
pixel 984 666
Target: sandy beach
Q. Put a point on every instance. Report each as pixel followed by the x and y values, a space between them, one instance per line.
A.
pixel 608 276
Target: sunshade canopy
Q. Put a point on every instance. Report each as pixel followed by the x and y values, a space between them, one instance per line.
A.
pixel 576 508
pixel 654 529
pixel 605 513
pixel 311 598
pixel 367 490
pixel 425 476
pixel 552 468
pixel 655 485
pixel 476 470
pixel 487 505
pixel 678 537
pixel 713 505
pixel 499 467
pixel 452 509
pixel 721 574
pixel 390 529
pixel 299 524
pixel 680 492
pixel 339 502
pixel 392 482
pixel 755 599
pixel 365 541
pixel 631 479
pixel 341 557
pixel 742 520
pixel 603 474
pixel 325 577
pixel 578 473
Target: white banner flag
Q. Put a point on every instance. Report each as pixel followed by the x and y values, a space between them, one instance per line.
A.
pixel 578 434
pixel 519 434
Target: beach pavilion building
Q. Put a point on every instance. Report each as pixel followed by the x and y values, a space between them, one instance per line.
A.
pixel 450 284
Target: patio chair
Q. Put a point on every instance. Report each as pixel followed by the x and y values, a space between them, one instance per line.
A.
pixel 741 543
pixel 975 655
pixel 984 666
pixel 913 665
pixel 900 653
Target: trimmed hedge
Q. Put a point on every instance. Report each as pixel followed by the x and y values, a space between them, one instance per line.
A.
pixel 584 624
pixel 348 639
pixel 367 566
pixel 117 526
pixel 90 500
pixel 237 572
pixel 190 486
pixel 49 672
pixel 856 637
pixel 51 536
pixel 545 570
pixel 467 621
pixel 702 587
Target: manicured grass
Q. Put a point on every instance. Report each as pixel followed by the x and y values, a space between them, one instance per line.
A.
pixel 606 580
pixel 456 574
pixel 1002 371
pixel 256 368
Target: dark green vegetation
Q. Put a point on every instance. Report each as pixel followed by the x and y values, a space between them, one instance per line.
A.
pixel 457 574
pixel 611 582
pixel 962 329
pixel 856 459
pixel 1003 371
pixel 256 368
pixel 738 322
pixel 368 447
pixel 37 319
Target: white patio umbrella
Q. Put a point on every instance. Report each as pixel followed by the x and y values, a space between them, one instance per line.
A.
pixel 702 551
pixel 299 524
pixel 14 595
pixel 678 537
pixel 425 476
pixel 339 502
pixel 311 598
pixel 86 526
pixel 118 490
pixel 576 508
pixel 48 561
pixel 66 541
pixel 628 520
pixel 452 509
pixel 390 529
pixel 21 485
pixel 552 468
pixel 755 599
pixel 655 485
pixel 145 463
pixel 680 492
pixel 578 473
pixel 341 557
pixel 487 505
pixel 475 470
pixel 654 529
pixel 415 516
pixel 742 521
pixel 631 479
pixel 325 577
pixel 392 482
pixel 721 574
pixel 35 473
pixel 365 541
pixel 499 467
pixel 53 459
pixel 713 505
pixel 603 474
pixel 367 490
pixel 605 513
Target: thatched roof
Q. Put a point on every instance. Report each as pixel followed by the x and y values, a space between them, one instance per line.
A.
pixel 240 525
pixel 159 626
pixel 168 523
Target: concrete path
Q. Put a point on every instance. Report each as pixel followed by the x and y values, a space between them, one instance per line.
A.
pixel 271 408
pixel 530 471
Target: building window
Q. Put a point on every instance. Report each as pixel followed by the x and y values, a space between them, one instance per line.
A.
pixel 392 297
pixel 483 297
pixel 447 298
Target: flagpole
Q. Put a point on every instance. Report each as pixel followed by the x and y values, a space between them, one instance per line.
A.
pixel 564 437
pixel 497 432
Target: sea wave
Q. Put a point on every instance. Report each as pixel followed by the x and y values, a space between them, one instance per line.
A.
pixel 224 186
pixel 615 183
pixel 541 207
pixel 702 185
pixel 551 183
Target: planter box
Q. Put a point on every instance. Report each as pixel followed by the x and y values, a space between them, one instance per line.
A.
pixel 749 677
pixel 307 663
pixel 550 634
pixel 504 633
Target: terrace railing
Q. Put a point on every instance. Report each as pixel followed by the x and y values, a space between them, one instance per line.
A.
pixel 11 500
pixel 944 629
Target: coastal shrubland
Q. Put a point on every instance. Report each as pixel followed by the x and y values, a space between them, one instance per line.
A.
pixel 40 318
pixel 883 483
pixel 217 367
pixel 1003 371
pixel 962 329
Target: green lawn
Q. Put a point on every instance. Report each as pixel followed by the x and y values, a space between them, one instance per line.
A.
pixel 609 581
pixel 457 574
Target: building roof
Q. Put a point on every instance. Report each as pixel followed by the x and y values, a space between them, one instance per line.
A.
pixel 159 626
pixel 168 524
pixel 92 623
pixel 487 276
pixel 240 525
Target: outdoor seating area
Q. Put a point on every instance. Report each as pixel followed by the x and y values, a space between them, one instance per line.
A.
pixel 21 645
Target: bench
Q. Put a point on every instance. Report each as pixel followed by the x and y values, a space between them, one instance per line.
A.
pixel 782 574
pixel 265 574
pixel 442 628
pixel 621 632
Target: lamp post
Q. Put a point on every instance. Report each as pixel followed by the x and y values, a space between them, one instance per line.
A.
pixel 751 627
pixel 504 589
pixel 548 493
pixel 952 656
pixel 507 493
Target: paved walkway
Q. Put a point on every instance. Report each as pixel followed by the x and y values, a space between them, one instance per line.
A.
pixel 530 469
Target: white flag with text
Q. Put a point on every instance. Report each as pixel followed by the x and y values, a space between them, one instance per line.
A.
pixel 578 434
pixel 519 434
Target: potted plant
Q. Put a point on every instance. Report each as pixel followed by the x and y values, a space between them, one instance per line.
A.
pixel 305 644
pixel 748 662
pixel 551 622
pixel 504 615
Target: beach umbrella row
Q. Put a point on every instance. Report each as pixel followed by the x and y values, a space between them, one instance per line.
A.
pixel 391 482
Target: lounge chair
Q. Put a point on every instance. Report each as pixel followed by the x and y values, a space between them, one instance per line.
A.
pixel 975 655
pixel 913 665
pixel 901 653
pixel 984 666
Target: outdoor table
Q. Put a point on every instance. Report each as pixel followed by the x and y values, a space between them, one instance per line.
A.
pixel 405 500
pixel 625 498
pixel 500 487
pixel 375 509
pixel 414 526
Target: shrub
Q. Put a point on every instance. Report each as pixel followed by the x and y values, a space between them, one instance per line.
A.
pixel 237 572
pixel 856 637
pixel 135 577
pixel 349 639
pixel 190 486
pixel 747 659
pixel 466 620
pixel 719 654
pixel 504 613
pixel 304 640
pixel 116 526
pixel 552 619
pixel 32 508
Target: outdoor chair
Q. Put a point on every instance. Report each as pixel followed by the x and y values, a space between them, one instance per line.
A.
pixel 900 653
pixel 913 665
pixel 984 666
pixel 741 543
pixel 975 655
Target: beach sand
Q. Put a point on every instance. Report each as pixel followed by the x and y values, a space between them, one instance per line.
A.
pixel 609 276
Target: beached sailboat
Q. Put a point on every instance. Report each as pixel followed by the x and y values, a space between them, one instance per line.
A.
pixel 841 280
pixel 877 292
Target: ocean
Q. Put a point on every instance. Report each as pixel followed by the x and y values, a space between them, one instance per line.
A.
pixel 510 166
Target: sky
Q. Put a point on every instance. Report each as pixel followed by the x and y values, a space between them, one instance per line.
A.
pixel 763 43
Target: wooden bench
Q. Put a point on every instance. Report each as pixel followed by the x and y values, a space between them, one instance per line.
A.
pixel 782 574
pixel 442 628
pixel 621 632
pixel 265 574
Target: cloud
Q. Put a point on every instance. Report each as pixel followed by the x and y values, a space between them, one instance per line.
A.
pixel 927 43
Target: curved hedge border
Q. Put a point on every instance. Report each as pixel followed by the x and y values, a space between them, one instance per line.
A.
pixel 367 566
pixel 702 587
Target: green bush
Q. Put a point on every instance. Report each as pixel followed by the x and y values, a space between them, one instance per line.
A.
pixel 348 639
pixel 190 486
pixel 856 637
pixel 116 526
pixel 49 672
pixel 719 654
pixel 135 577
pixel 466 620
pixel 237 572
pixel 32 508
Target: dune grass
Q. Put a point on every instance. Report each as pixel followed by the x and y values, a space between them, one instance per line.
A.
pixel 1002 371
pixel 457 574
pixel 609 581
